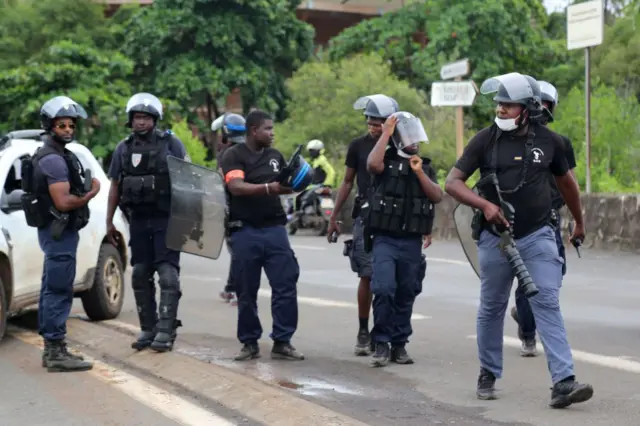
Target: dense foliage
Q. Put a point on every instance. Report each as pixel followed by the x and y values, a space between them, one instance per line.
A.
pixel 193 53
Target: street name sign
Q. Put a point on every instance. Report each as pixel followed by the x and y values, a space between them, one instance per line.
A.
pixel 452 93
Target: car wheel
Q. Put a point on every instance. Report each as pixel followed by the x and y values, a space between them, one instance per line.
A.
pixel 3 310
pixel 104 300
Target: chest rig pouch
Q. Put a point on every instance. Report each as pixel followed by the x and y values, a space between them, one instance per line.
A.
pixel 397 201
pixel 36 201
pixel 145 187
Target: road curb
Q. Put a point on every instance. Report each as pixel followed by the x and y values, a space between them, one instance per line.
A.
pixel 255 399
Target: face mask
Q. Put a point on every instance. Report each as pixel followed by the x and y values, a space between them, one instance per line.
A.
pixel 506 124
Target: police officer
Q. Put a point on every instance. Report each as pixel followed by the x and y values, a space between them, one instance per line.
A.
pixel 233 131
pixel 56 203
pixel 401 212
pixel 521 313
pixel 522 154
pixel 140 186
pixel 376 110
pixel 259 239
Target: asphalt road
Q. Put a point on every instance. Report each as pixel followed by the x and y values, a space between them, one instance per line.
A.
pixel 599 299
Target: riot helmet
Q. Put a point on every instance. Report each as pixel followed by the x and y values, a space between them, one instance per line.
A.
pixel 515 88
pixel 409 132
pixel 233 127
pixel 549 94
pixel 60 107
pixel 301 175
pixel 315 148
pixel 145 103
pixel 377 106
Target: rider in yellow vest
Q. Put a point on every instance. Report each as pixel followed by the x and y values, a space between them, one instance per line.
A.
pixel 323 172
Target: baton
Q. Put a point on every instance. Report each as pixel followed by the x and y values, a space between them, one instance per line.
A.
pixel 577 242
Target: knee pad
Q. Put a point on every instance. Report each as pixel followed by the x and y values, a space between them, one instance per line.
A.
pixel 140 275
pixel 168 278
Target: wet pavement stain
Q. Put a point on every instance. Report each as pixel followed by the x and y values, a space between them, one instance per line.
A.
pixel 289 385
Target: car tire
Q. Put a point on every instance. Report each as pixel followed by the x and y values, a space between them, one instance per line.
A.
pixel 3 310
pixel 105 298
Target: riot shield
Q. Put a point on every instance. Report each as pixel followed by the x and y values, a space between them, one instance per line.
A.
pixel 462 217
pixel 198 209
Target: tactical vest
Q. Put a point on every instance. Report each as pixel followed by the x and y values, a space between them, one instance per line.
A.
pixel 397 202
pixel 36 200
pixel 145 187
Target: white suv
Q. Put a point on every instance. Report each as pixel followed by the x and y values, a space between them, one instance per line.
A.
pixel 100 265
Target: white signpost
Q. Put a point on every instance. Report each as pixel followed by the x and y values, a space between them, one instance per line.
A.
pixel 456 93
pixel 452 93
pixel 585 29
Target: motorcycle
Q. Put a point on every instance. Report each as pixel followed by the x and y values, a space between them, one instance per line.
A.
pixel 310 209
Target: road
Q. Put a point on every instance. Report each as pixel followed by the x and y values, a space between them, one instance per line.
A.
pixel 199 384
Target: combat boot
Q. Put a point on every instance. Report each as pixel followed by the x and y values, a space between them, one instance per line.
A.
pixel 59 360
pixel 45 353
pixel 399 355
pixel 168 323
pixel 144 294
pixel 381 356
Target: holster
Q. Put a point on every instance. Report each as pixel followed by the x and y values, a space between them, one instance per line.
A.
pixel 357 209
pixel 59 224
pixel 554 218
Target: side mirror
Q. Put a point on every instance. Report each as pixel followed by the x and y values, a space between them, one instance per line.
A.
pixel 12 202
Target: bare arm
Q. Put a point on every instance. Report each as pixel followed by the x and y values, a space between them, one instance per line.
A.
pixel 63 200
pixel 456 187
pixel 431 189
pixel 343 192
pixel 570 192
pixel 375 160
pixel 113 201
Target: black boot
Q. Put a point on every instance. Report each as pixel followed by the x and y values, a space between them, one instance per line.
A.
pixel 59 360
pixel 168 322
pixel 144 292
pixel 568 392
pixel 45 353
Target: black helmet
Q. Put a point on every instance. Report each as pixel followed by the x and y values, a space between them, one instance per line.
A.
pixel 378 106
pixel 549 94
pixel 60 106
pixel 515 88
pixel 233 127
pixel 145 103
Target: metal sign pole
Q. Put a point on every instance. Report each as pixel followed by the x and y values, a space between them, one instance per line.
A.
pixel 459 127
pixel 587 112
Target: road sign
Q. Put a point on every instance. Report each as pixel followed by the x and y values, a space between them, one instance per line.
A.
pixel 452 93
pixel 585 24
pixel 455 69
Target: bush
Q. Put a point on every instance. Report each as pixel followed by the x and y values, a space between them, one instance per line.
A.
pixel 196 150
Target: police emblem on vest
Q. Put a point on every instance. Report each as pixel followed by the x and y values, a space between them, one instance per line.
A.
pixel 145 187
pixel 397 202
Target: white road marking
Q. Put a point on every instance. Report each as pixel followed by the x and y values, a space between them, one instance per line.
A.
pixel 452 261
pixel 314 301
pixel 305 247
pixel 165 403
pixel 614 362
pixel 200 278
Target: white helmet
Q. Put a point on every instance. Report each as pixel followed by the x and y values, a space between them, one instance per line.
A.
pixel 315 145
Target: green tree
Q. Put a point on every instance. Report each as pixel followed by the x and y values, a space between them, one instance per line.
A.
pixel 615 140
pixel 321 107
pixel 197 51
pixel 497 36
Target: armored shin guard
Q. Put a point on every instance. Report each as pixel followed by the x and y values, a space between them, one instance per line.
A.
pixel 144 293
pixel 169 299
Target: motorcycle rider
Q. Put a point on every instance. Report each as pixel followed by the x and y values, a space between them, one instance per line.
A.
pixel 233 131
pixel 323 173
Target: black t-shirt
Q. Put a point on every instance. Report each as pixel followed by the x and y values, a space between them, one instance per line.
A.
pixel 357 154
pixel 557 201
pixel 532 202
pixel 258 168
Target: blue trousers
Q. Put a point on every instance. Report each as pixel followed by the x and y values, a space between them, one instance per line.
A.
pixel 540 255
pixel 230 287
pixel 268 248
pixel 527 323
pixel 58 275
pixel 395 283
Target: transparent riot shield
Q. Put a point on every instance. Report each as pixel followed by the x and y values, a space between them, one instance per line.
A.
pixel 462 218
pixel 198 208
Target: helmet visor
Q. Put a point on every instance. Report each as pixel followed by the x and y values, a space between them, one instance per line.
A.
pixel 409 131
pixel 383 103
pixel 515 84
